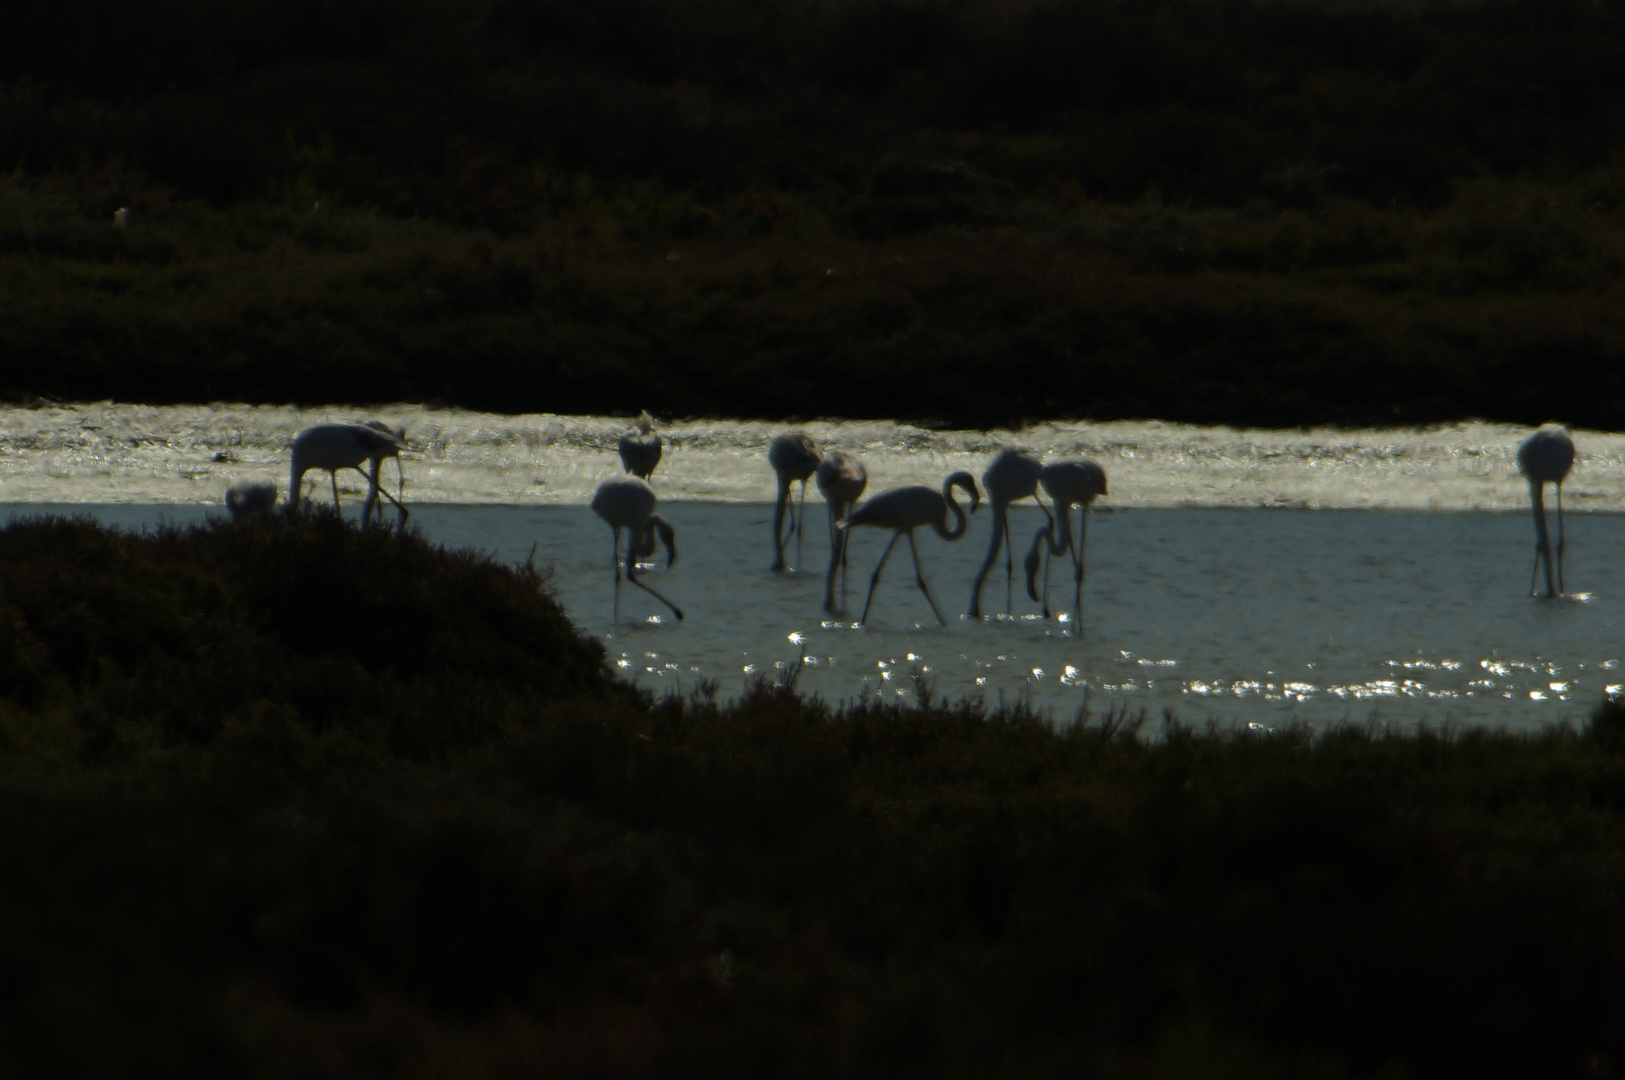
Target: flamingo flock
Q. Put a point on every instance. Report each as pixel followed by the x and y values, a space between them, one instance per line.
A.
pixel 629 503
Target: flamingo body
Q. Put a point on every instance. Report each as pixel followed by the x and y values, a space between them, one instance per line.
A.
pixel 248 497
pixel 905 509
pixel 640 448
pixel 794 457
pixel 1546 458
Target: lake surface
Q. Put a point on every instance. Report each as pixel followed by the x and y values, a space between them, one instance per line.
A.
pixel 1241 576
pixel 1250 616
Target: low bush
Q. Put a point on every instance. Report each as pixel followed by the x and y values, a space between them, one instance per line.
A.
pixel 426 833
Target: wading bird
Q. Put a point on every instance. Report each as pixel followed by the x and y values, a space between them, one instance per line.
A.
pixel 841 479
pixel 1069 484
pixel 1012 475
pixel 629 504
pixel 794 456
pixel 908 508
pixel 1545 458
pixel 345 446
pixel 640 447
pixel 248 497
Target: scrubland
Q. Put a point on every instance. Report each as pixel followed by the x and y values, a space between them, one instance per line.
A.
pixel 972 213
pixel 291 798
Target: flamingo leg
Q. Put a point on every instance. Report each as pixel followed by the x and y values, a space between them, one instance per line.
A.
pixel 919 579
pixel 846 554
pixel 834 568
pixel 876 579
pixel 373 493
pixel 846 540
pixel 1077 573
pixel 1009 568
pixel 1560 589
pixel 1049 552
pixel 615 564
pixel 1543 543
pixel 779 535
pixel 1001 524
pixel 801 518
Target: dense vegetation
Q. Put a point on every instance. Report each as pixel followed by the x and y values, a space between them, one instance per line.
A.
pixel 296 799
pixel 967 210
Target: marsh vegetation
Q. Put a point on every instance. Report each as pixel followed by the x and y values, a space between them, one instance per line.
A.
pixel 397 820
pixel 984 212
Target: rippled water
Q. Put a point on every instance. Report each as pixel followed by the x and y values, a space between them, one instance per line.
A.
pixel 1251 616
pixel 1394 587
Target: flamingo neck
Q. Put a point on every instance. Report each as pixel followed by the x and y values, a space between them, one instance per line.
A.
pixel 960 521
pixel 668 536
pixel 1061 538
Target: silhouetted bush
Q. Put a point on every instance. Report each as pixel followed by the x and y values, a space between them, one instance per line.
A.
pixel 428 827
pixel 1240 212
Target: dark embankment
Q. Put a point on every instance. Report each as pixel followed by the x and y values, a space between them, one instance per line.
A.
pixel 974 211
pixel 295 799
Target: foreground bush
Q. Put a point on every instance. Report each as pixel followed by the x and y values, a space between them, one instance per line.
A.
pixel 434 839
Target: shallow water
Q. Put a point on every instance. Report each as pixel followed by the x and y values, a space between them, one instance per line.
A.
pixel 1251 616
pixel 1259 576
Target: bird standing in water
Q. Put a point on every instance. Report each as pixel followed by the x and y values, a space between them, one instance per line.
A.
pixel 1546 458
pixel 905 509
pixel 1012 475
pixel 841 479
pixel 345 446
pixel 1068 484
pixel 794 456
pixel 629 504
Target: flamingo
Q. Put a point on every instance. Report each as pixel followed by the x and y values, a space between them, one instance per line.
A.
pixel 246 498
pixel 346 446
pixel 794 456
pixel 1545 458
pixel 907 508
pixel 629 503
pixel 640 448
pixel 841 479
pixel 1012 475
pixel 1068 483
